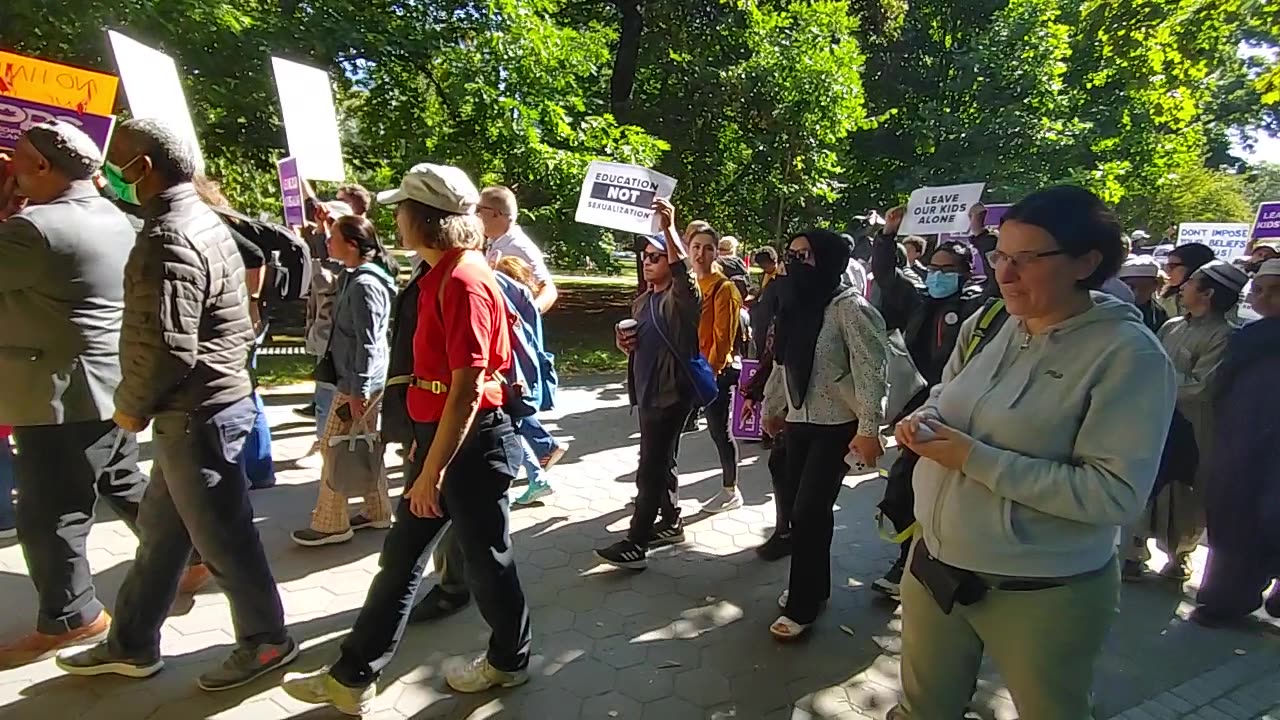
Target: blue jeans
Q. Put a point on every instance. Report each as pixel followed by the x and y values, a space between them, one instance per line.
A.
pixel 539 439
pixel 7 518
pixel 256 461
pixel 324 403
pixel 532 468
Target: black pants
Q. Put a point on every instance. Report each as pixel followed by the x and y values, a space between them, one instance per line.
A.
pixel 815 469
pixel 475 502
pixel 718 425
pixel 656 478
pixel 61 470
pixel 784 493
pixel 198 496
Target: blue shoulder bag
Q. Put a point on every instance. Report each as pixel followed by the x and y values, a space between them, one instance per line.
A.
pixel 696 368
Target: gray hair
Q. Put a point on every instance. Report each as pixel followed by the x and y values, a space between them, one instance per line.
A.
pixel 172 155
pixel 500 198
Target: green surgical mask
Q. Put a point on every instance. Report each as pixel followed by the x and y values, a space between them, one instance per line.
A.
pixel 126 191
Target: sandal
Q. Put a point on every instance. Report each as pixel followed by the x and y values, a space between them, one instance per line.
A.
pixel 437 605
pixel 786 629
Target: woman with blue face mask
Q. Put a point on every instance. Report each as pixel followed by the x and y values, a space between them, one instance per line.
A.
pixel 929 314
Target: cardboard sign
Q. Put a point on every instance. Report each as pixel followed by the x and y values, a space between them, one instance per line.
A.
pixel 58 85
pixel 1267 225
pixel 310 120
pixel 620 197
pixel 16 115
pixel 153 87
pixel 1228 240
pixel 291 192
pixel 746 427
pixel 940 210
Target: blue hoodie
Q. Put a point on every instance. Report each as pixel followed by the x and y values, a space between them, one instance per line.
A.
pixel 1068 428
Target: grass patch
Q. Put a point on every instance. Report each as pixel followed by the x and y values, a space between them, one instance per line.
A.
pixel 590 361
pixel 277 370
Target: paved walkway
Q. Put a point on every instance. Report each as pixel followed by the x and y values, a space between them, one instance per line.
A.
pixel 686 639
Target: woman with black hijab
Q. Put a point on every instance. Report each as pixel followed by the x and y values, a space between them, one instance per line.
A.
pixel 827 387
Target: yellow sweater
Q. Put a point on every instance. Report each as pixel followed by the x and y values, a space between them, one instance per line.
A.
pixel 718 326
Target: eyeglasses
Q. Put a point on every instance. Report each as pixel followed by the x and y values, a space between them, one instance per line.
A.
pixel 799 256
pixel 1169 265
pixel 653 258
pixel 1020 259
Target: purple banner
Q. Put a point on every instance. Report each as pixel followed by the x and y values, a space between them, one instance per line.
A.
pixel 1267 224
pixel 746 427
pixel 17 115
pixel 291 192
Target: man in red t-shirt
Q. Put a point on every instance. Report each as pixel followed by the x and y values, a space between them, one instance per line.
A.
pixel 466 454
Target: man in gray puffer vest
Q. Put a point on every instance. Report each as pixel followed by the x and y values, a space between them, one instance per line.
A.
pixel 61 296
pixel 184 348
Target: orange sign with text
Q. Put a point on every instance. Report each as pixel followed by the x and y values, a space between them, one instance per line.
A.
pixel 50 83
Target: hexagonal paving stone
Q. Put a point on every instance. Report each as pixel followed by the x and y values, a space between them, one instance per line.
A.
pixel 549 558
pixel 703 687
pixel 598 623
pixel 645 684
pixel 580 599
pixel 612 706
pixel 619 652
pixel 586 677
pixel 544 702
pixel 626 602
pixel 552 619
pixel 672 708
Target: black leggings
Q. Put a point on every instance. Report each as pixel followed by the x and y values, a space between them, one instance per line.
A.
pixel 657 484
pixel 718 425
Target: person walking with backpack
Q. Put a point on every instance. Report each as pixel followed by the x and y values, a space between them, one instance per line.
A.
pixel 1033 454
pixel 661 341
pixel 356 364
pixel 718 329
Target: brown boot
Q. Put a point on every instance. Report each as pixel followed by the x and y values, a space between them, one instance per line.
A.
pixel 195 578
pixel 39 646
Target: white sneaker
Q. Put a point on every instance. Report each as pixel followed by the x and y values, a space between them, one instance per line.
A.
pixel 319 688
pixel 480 676
pixel 728 499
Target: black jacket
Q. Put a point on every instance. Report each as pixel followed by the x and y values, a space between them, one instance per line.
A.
pixel 929 326
pixel 397 427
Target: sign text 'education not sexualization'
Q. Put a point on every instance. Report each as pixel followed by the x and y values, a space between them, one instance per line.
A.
pixel 620 197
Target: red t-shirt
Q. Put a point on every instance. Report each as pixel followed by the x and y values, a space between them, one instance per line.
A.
pixel 467 328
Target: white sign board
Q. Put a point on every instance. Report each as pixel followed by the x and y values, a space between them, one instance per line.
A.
pixel 310 121
pixel 1228 240
pixel 153 87
pixel 940 210
pixel 620 197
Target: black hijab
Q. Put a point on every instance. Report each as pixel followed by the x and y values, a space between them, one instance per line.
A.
pixel 808 291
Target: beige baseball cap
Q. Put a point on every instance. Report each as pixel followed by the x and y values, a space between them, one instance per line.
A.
pixel 443 187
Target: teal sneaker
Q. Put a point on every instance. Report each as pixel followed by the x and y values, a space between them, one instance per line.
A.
pixel 537 490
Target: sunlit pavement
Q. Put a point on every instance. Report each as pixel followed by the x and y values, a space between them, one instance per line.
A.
pixel 688 638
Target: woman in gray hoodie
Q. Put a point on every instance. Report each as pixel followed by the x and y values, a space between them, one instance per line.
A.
pixel 358 354
pixel 1033 454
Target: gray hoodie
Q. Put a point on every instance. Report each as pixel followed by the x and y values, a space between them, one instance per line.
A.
pixel 1068 428
pixel 361 320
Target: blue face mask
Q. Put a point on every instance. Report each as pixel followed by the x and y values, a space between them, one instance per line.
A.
pixel 942 284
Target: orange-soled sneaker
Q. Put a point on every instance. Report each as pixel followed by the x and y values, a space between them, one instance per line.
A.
pixel 194 579
pixel 41 646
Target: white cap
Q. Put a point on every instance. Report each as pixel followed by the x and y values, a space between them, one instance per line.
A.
pixel 1139 266
pixel 1269 267
pixel 443 187
pixel 1225 273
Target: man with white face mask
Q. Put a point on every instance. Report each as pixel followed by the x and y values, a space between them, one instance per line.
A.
pixel 62 263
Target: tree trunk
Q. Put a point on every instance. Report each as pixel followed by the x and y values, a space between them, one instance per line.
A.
pixel 626 59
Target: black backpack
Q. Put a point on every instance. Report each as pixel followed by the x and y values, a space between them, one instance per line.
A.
pixel 287 256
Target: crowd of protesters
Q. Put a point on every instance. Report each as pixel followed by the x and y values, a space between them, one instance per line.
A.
pixel 1058 406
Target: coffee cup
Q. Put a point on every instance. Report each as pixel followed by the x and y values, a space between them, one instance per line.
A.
pixel 627 326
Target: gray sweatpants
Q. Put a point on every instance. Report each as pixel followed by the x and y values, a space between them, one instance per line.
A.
pixel 198 496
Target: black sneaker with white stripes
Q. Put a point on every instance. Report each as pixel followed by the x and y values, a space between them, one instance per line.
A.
pixel 624 554
pixel 667 533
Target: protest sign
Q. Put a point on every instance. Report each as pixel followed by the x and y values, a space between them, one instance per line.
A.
pixel 1267 225
pixel 153 87
pixel 940 210
pixel 16 115
pixel 996 213
pixel 620 197
pixel 291 192
pixel 1228 240
pixel 746 427
pixel 310 121
pixel 58 85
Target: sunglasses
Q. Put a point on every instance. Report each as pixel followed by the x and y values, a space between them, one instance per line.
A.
pixel 798 256
pixel 653 258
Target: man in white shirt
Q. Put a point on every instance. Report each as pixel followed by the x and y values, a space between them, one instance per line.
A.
pixel 498 210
